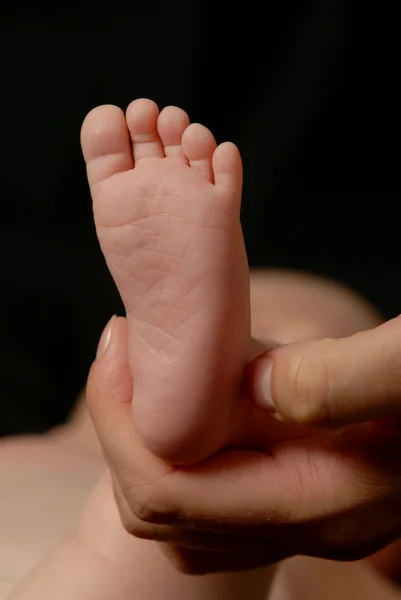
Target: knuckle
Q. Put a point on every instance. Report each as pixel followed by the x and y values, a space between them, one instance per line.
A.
pixel 309 387
pixel 151 503
pixel 145 506
pixel 132 525
pixel 141 529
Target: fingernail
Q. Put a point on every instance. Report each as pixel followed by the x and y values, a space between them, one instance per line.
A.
pixel 105 338
pixel 264 395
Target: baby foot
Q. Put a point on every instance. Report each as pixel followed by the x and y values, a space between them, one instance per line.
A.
pixel 166 204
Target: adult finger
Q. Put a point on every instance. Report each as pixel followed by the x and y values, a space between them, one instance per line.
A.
pixel 303 484
pixel 331 382
pixel 190 538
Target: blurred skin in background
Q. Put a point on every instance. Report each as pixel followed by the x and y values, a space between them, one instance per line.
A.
pixel 59 469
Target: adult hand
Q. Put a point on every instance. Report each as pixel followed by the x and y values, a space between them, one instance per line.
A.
pixel 332 382
pixel 333 495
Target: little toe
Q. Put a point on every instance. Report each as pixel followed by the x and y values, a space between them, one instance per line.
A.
pixel 227 167
pixel 105 143
pixel 171 124
pixel 199 144
pixel 142 115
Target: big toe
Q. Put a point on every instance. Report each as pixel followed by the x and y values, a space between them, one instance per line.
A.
pixel 105 143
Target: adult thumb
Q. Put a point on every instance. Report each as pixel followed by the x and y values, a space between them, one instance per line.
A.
pixel 331 382
pixel 110 385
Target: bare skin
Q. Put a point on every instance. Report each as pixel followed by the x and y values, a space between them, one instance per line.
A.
pixel 56 472
pixel 299 578
pixel 166 203
pixel 320 494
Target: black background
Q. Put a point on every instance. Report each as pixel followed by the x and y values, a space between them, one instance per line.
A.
pixel 307 90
